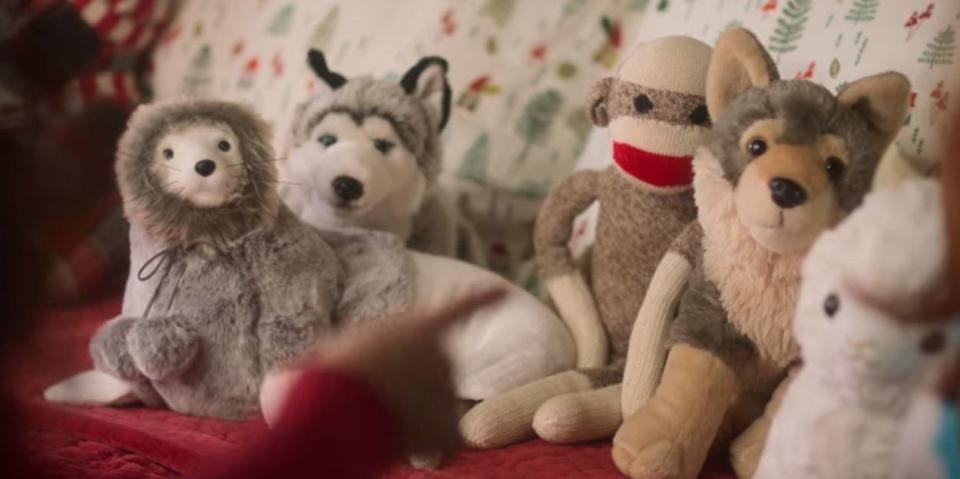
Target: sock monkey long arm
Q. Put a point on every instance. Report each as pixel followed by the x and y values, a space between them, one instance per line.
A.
pixel 564 281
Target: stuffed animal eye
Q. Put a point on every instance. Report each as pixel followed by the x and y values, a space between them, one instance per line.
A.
pixel 757 147
pixel 643 104
pixel 167 153
pixel 327 139
pixel 383 145
pixel 700 115
pixel 831 305
pixel 933 342
pixel 835 167
pixel 224 145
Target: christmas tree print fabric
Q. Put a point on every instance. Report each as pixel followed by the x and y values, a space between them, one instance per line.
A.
pixel 829 42
pixel 519 71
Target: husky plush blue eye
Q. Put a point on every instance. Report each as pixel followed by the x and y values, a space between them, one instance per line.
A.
pixel 327 139
pixel 383 145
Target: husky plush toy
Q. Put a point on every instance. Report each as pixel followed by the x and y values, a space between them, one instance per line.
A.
pixel 786 160
pixel 365 156
pixel 366 153
pixel 242 285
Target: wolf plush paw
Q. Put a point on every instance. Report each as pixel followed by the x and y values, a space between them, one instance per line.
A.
pixel 645 449
pixel 670 436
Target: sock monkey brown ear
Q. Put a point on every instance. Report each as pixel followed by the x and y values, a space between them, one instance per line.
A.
pixel 739 63
pixel 427 80
pixel 597 102
pixel 882 100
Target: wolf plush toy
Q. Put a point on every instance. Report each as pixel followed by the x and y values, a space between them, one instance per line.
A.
pixel 242 286
pixel 366 153
pixel 657 115
pixel 786 160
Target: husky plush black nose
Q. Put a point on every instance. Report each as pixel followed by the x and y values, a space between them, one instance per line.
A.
pixel 205 167
pixel 347 188
pixel 787 193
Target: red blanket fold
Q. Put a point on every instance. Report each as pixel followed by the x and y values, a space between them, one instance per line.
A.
pixel 101 443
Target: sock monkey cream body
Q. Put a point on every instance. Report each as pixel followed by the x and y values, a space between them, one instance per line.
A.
pixel 243 286
pixel 656 112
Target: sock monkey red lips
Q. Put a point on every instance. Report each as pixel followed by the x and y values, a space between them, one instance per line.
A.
pixel 663 171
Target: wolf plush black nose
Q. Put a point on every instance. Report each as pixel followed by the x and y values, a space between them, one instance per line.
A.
pixel 787 193
pixel 347 188
pixel 205 167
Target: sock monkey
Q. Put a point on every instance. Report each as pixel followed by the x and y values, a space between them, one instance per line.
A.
pixel 657 115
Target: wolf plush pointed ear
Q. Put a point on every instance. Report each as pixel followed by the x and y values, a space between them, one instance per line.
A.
pixel 318 63
pixel 427 81
pixel 739 63
pixel 882 100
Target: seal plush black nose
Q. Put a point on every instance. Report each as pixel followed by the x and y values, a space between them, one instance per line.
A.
pixel 205 167
pixel 347 188
pixel 787 193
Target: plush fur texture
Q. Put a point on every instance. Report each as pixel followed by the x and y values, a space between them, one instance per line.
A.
pixel 759 286
pixel 170 218
pixel 243 287
pixel 384 137
pixel 380 274
pixel 786 160
pixel 843 414
pixel 807 111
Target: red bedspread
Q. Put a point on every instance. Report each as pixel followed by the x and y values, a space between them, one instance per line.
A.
pixel 103 443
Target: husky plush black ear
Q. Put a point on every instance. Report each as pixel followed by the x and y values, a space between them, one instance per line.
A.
pixel 318 64
pixel 427 81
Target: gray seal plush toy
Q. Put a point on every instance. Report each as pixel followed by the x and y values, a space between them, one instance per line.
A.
pixel 241 286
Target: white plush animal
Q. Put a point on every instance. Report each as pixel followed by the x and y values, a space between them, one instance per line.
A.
pixel 862 365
